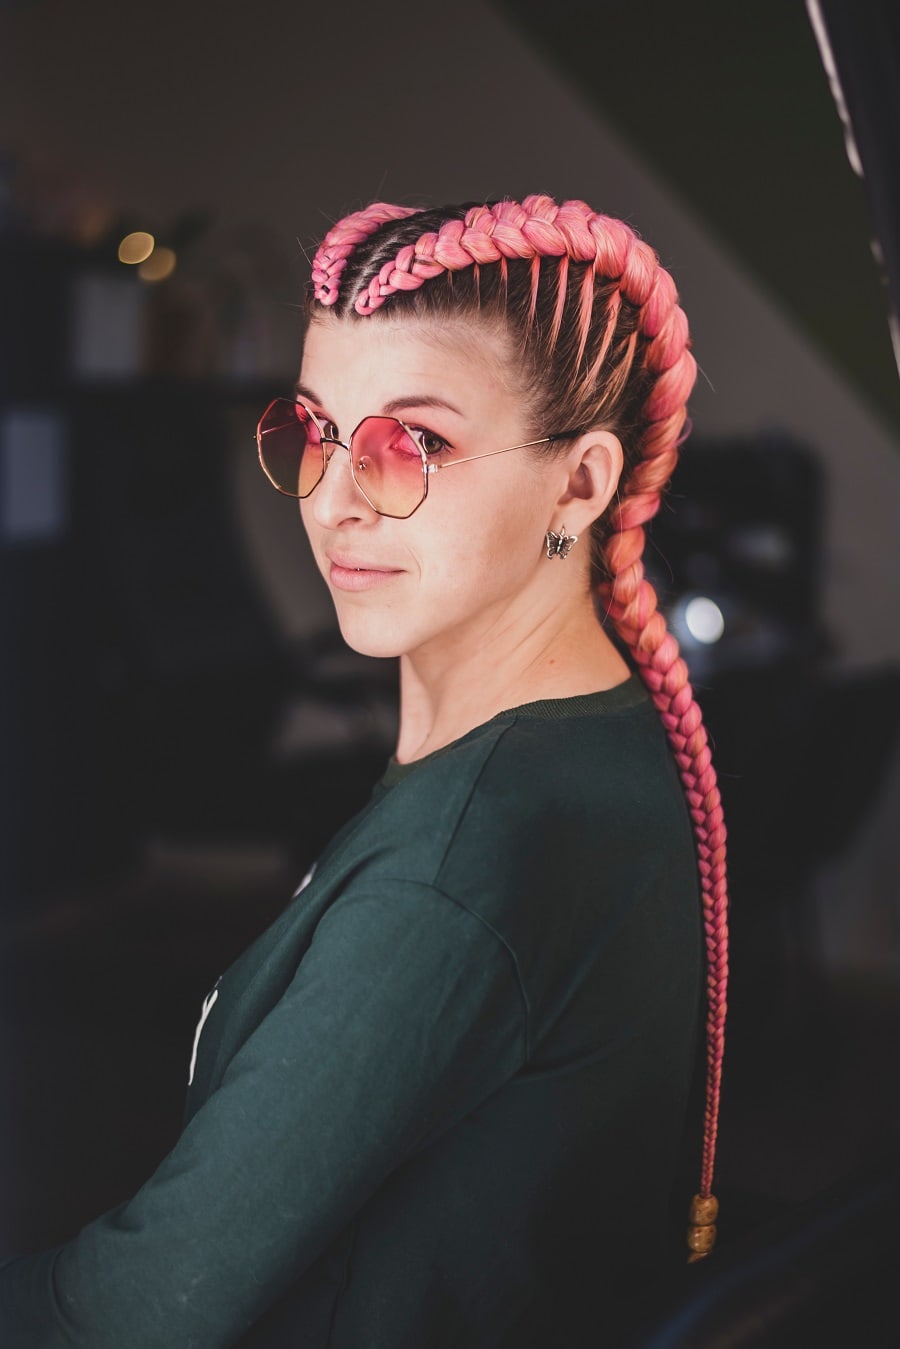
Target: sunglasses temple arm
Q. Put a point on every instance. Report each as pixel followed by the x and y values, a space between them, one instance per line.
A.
pixel 544 440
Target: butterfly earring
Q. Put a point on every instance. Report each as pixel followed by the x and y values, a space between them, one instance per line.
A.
pixel 561 544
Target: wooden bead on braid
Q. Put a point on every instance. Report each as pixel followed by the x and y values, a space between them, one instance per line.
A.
pixel 626 270
pixel 701 1235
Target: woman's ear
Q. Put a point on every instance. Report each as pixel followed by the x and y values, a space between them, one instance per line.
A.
pixel 594 467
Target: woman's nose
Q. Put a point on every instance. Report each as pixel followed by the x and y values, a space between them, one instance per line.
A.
pixel 336 497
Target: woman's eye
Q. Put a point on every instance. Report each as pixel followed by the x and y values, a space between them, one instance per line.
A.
pixel 432 443
pixel 331 431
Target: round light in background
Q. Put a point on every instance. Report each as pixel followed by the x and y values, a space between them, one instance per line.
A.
pixel 704 620
pixel 136 247
pixel 159 265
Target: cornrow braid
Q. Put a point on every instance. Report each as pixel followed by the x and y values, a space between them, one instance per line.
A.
pixel 623 361
pixel 340 241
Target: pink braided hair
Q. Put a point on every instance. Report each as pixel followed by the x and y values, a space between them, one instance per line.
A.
pixel 571 232
pixel 340 241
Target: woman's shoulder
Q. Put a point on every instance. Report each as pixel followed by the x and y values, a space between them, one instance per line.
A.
pixel 568 781
pixel 562 827
pixel 531 724
pixel 544 757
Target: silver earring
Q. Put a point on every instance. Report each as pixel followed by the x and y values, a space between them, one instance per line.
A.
pixel 561 544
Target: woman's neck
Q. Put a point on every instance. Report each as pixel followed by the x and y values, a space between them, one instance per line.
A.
pixel 445 694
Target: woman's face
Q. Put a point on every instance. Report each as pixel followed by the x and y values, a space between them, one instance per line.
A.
pixel 470 563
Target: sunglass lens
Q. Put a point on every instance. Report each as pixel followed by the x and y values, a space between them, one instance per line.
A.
pixel 387 466
pixel 290 448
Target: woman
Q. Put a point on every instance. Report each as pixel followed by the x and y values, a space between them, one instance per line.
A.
pixel 439 1102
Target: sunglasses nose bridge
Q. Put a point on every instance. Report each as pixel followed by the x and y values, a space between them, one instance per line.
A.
pixel 347 445
pixel 330 490
pixel 329 445
pixel 332 441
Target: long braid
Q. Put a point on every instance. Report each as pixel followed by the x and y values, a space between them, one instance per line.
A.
pixel 540 228
pixel 632 605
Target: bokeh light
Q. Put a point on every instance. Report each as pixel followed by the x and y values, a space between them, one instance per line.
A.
pixel 704 620
pixel 159 265
pixel 136 248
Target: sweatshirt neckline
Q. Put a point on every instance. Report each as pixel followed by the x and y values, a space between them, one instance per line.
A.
pixel 631 693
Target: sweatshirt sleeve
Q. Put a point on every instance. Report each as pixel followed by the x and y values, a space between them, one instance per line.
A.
pixel 404 1014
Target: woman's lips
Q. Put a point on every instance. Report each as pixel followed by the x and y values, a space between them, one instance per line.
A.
pixel 347 575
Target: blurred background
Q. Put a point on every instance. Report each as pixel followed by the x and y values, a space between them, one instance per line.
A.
pixel 181 729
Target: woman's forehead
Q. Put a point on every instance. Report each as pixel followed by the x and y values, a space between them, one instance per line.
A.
pixel 461 353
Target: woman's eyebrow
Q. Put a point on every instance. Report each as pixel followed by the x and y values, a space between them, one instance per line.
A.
pixel 425 400
pixel 392 406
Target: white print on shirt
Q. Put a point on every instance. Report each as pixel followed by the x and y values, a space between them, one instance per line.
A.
pixel 207 1008
pixel 211 997
pixel 306 880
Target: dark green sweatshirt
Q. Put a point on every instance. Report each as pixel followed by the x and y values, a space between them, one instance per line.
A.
pixel 437 1103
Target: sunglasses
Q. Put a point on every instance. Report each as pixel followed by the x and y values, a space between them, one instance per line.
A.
pixel 391 462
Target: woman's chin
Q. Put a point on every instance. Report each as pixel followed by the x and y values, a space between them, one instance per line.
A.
pixel 369 642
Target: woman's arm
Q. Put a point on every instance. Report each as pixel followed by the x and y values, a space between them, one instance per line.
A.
pixel 404 1014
